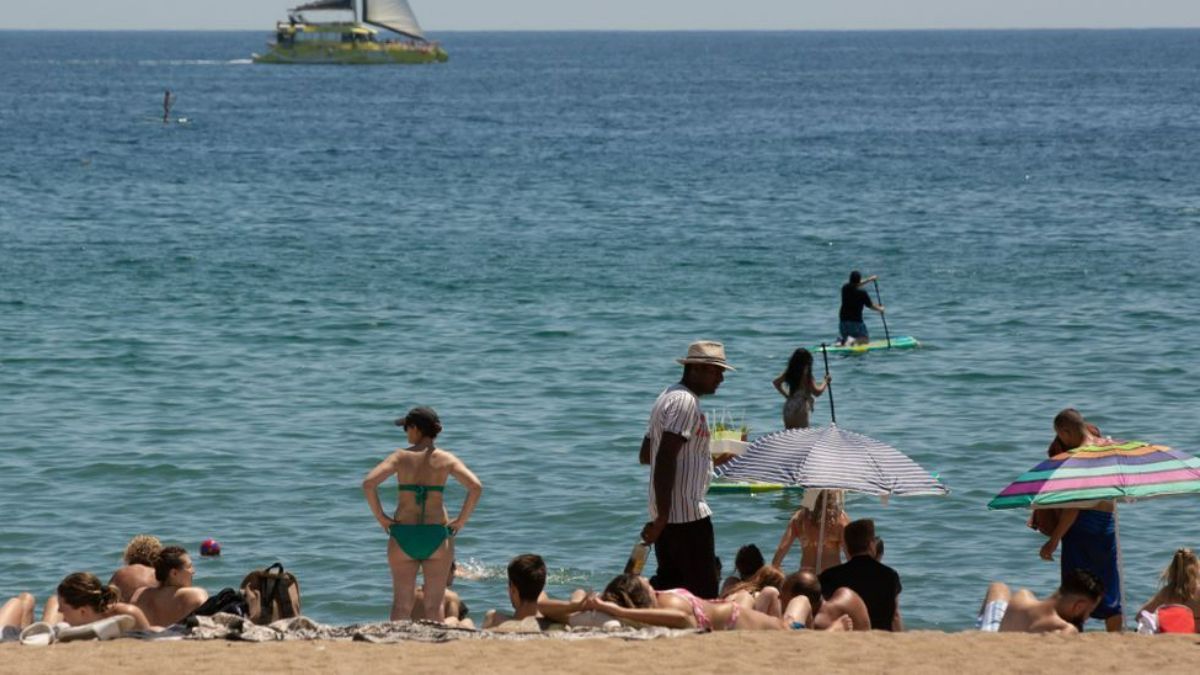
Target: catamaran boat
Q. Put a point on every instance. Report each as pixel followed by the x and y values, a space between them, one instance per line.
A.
pixel 354 42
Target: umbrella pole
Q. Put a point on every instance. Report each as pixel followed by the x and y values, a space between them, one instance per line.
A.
pixel 823 496
pixel 829 387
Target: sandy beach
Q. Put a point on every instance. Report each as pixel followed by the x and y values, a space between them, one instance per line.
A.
pixel 720 652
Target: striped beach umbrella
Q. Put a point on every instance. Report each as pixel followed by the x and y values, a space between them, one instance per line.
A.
pixel 1126 471
pixel 831 458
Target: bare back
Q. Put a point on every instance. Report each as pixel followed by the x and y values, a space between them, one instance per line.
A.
pixel 424 468
pixel 1027 614
pixel 168 605
pixel 130 578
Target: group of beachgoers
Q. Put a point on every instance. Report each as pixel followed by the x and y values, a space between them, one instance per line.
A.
pixel 841 584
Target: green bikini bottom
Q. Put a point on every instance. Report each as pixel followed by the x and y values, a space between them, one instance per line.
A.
pixel 420 541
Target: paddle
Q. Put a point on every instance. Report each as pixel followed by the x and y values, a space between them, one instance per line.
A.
pixel 883 316
pixel 828 387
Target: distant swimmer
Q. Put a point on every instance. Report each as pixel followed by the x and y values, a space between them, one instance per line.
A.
pixel 850 319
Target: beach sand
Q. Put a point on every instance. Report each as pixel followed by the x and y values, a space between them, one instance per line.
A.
pixel 924 652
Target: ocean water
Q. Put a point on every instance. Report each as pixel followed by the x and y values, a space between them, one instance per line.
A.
pixel 206 328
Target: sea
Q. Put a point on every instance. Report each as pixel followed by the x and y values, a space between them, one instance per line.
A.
pixel 208 325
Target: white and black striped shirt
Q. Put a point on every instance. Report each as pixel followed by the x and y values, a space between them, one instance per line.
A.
pixel 677 410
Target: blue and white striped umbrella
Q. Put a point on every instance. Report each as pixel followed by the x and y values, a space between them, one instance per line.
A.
pixel 831 458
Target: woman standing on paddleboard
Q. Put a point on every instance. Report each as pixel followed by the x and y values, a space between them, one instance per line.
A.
pixel 796 384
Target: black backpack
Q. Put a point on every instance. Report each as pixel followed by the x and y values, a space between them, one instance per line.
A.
pixel 228 601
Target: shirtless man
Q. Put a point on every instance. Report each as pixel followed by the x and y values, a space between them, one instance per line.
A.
pixel 1021 612
pixel 175 597
pixel 138 571
pixel 843 607
pixel 526 584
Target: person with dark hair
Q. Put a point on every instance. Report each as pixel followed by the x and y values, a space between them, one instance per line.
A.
pixel 1021 612
pixel 630 597
pixel 175 597
pixel 806 525
pixel 796 384
pixel 676 448
pixel 748 561
pixel 138 571
pixel 422 533
pixel 1088 536
pixel 877 584
pixel 82 599
pixel 851 328
pixel 526 583
pixel 825 613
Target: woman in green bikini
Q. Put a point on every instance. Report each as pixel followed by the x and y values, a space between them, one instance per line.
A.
pixel 422 534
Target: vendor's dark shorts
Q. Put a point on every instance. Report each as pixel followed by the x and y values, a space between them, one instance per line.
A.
pixel 854 329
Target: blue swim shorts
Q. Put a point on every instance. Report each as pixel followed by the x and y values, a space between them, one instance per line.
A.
pixel 854 329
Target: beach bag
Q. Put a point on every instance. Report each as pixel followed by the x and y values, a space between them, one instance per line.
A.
pixel 228 601
pixel 1176 619
pixel 271 594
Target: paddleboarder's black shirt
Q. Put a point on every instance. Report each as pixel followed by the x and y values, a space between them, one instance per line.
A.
pixel 853 301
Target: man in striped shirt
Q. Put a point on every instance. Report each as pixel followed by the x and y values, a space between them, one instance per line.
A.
pixel 676 448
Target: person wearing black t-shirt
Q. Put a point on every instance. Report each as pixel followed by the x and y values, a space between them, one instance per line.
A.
pixel 877 584
pixel 851 327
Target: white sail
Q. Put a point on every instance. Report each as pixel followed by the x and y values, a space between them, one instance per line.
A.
pixel 393 15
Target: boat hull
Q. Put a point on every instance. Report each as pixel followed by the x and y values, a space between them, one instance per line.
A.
pixel 351 54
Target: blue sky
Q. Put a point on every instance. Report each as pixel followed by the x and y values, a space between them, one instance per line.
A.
pixel 447 15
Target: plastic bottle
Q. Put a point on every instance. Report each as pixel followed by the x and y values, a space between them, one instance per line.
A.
pixel 637 558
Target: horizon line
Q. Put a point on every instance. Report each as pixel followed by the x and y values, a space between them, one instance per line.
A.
pixel 913 29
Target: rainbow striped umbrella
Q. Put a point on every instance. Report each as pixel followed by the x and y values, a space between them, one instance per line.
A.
pixel 1126 471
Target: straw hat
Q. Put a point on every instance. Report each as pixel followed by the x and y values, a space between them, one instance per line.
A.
pixel 706 352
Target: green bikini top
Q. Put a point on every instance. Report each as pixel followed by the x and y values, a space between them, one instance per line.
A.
pixel 421 491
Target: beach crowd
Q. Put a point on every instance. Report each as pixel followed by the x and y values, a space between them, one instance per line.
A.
pixel 840 584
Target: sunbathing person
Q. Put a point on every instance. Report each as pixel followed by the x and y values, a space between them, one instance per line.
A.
pixel 16 614
pixel 629 597
pixel 750 591
pixel 1021 612
pixel 138 571
pixel 748 561
pixel 82 599
pixel 1180 587
pixel 526 593
pixel 422 534
pixel 175 597
pixel 843 606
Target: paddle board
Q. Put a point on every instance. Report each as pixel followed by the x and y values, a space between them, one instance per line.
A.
pixel 903 342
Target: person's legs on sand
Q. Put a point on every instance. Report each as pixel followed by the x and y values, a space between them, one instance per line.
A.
pixel 437 573
pixel 404 581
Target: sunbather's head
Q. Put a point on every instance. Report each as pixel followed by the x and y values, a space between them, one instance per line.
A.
pixel 173 567
pixel 764 577
pixel 805 583
pixel 1078 595
pixel 83 599
pixel 526 579
pixel 142 550
pixel 860 537
pixel 1182 576
pixel 748 561
pixel 629 590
